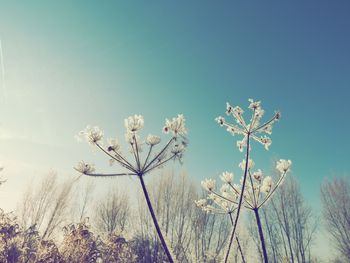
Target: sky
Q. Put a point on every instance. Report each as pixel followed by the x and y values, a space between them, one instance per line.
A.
pixel 67 64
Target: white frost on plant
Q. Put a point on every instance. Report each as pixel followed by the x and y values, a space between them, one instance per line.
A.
pixel 152 140
pixel 227 177
pixel 243 164
pixel 134 123
pixel 85 168
pixel 176 126
pixel 208 184
pixel 113 145
pixel 92 135
pixel 252 129
pixel 283 165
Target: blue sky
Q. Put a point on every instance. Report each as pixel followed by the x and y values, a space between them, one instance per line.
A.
pixel 68 64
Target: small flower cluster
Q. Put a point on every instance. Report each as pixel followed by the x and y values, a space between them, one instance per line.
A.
pixel 257 192
pixel 176 126
pixel 254 129
pixel 173 150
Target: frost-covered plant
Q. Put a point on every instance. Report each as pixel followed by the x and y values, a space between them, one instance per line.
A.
pixel 140 164
pixel 232 196
pixel 10 250
pixel 80 244
pixel 218 204
pixel 48 252
pixel 258 191
pixel 118 249
pixel 17 245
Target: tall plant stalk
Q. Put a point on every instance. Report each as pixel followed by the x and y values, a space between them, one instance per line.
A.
pixel 154 218
pixel 240 200
pixel 261 187
pixel 238 243
pixel 261 235
pixel 173 150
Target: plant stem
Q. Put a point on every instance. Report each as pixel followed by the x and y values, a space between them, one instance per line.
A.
pixel 261 234
pixel 238 243
pixel 240 200
pixel 167 252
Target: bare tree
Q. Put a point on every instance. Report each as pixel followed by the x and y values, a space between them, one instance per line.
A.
pixel 289 224
pixel 335 197
pixel 36 202
pixel 112 212
pixel 82 201
pixel 57 213
pixel 44 206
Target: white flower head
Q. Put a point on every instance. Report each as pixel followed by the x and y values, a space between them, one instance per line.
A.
pixel 267 129
pixel 243 164
pixel 92 135
pixel 266 141
pixel 283 165
pixel 201 202
pixel 258 175
pixel 254 105
pixel 229 108
pixel 220 120
pixel 237 111
pixel 113 145
pixel 176 126
pixel 249 130
pixel 241 144
pixel 85 168
pixel 178 149
pixel 152 140
pixel 208 184
pixel 266 185
pixel 134 123
pixel 227 177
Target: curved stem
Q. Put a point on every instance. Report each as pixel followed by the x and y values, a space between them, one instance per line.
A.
pixel 261 235
pixel 162 240
pixel 240 200
pixel 273 190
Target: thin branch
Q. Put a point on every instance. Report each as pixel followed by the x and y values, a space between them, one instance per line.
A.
pixel 126 165
pixel 159 154
pixel 159 164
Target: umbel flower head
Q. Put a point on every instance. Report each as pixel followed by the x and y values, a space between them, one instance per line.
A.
pixel 141 164
pixel 257 192
pixel 134 123
pixel 255 129
pixel 176 126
